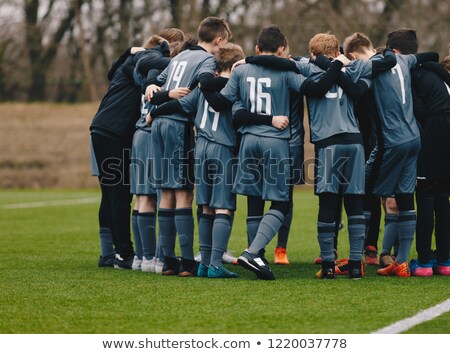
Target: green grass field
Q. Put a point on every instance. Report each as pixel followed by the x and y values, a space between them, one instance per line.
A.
pixel 51 283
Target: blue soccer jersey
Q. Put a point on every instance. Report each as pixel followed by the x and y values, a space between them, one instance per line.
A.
pixel 334 113
pixel 392 91
pixel 184 70
pixel 264 91
pixel 214 126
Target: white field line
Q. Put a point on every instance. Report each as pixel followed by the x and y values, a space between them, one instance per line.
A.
pixel 50 203
pixel 420 317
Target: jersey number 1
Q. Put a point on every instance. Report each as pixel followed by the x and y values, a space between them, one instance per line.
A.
pixel 398 70
pixel 177 73
pixel 205 117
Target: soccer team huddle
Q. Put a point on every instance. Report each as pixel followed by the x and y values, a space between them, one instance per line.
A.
pixel 201 118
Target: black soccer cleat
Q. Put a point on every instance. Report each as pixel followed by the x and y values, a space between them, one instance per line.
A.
pixel 355 270
pixel 171 266
pixel 106 262
pixel 257 265
pixel 188 268
pixel 123 263
pixel 326 271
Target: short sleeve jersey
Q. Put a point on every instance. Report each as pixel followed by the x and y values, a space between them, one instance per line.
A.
pixel 334 113
pixel 145 108
pixel 184 70
pixel 214 126
pixel 392 90
pixel 264 91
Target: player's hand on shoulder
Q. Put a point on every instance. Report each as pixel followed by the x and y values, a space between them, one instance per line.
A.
pixel 148 119
pixel 280 122
pixel 150 91
pixel 239 62
pixel 135 50
pixel 343 59
pixel 179 92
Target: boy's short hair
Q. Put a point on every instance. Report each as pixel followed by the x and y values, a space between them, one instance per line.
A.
pixel 168 34
pixel 270 38
pixel 356 42
pixel 404 40
pixel 446 63
pixel 324 43
pixel 213 27
pixel 227 55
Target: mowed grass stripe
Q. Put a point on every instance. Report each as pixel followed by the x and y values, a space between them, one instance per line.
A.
pixel 51 283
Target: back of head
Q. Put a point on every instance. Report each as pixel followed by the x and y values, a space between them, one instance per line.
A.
pixel 404 40
pixel 168 34
pixel 213 27
pixel 227 55
pixel 324 43
pixel 446 63
pixel 356 43
pixel 270 38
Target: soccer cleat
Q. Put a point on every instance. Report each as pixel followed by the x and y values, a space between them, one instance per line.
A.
pixel 318 260
pixel 171 266
pixel 280 256
pixel 442 268
pixel 123 263
pixel 202 271
pixel 221 272
pixel 355 269
pixel 148 265
pixel 400 270
pixel 341 268
pixel 385 260
pixel 136 265
pixel 159 266
pixel 188 268
pixel 421 270
pixel 371 256
pixel 228 258
pixel 256 264
pixel 326 271
pixel 106 262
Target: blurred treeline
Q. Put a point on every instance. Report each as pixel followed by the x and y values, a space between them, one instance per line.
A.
pixel 61 50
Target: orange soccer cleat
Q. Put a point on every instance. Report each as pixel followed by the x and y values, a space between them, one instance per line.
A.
pixel 370 256
pixel 400 270
pixel 280 256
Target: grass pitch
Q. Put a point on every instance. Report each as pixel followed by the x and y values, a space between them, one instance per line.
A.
pixel 50 282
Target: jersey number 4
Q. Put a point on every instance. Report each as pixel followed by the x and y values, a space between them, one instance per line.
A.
pixel 257 95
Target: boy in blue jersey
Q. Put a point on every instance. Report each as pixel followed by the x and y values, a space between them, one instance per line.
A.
pixel 172 143
pixel 214 162
pixel 264 170
pixel 396 175
pixel 431 99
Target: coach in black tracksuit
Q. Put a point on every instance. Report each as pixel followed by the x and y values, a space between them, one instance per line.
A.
pixel 112 130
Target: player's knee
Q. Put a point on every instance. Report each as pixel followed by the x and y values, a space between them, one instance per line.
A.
pixel 282 207
pixel 391 206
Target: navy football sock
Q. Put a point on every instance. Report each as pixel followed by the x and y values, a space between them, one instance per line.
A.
pixel 184 222
pixel 283 234
pixel 252 227
pixel 268 228
pixel 167 231
pixel 356 231
pixel 325 237
pixel 106 242
pixel 390 232
pixel 146 223
pixel 220 236
pixel 205 230
pixel 406 228
pixel 136 234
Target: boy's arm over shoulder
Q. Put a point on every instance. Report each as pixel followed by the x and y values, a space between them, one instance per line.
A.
pixel 207 70
pixel 321 87
pixel 185 105
pixel 229 94
pixel 384 63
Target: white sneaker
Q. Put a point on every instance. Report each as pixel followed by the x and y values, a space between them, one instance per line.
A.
pixel 136 263
pixel 228 258
pixel 148 265
pixel 198 257
pixel 159 266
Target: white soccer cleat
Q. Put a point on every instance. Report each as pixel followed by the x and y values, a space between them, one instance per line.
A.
pixel 136 263
pixel 148 265
pixel 228 258
pixel 159 266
